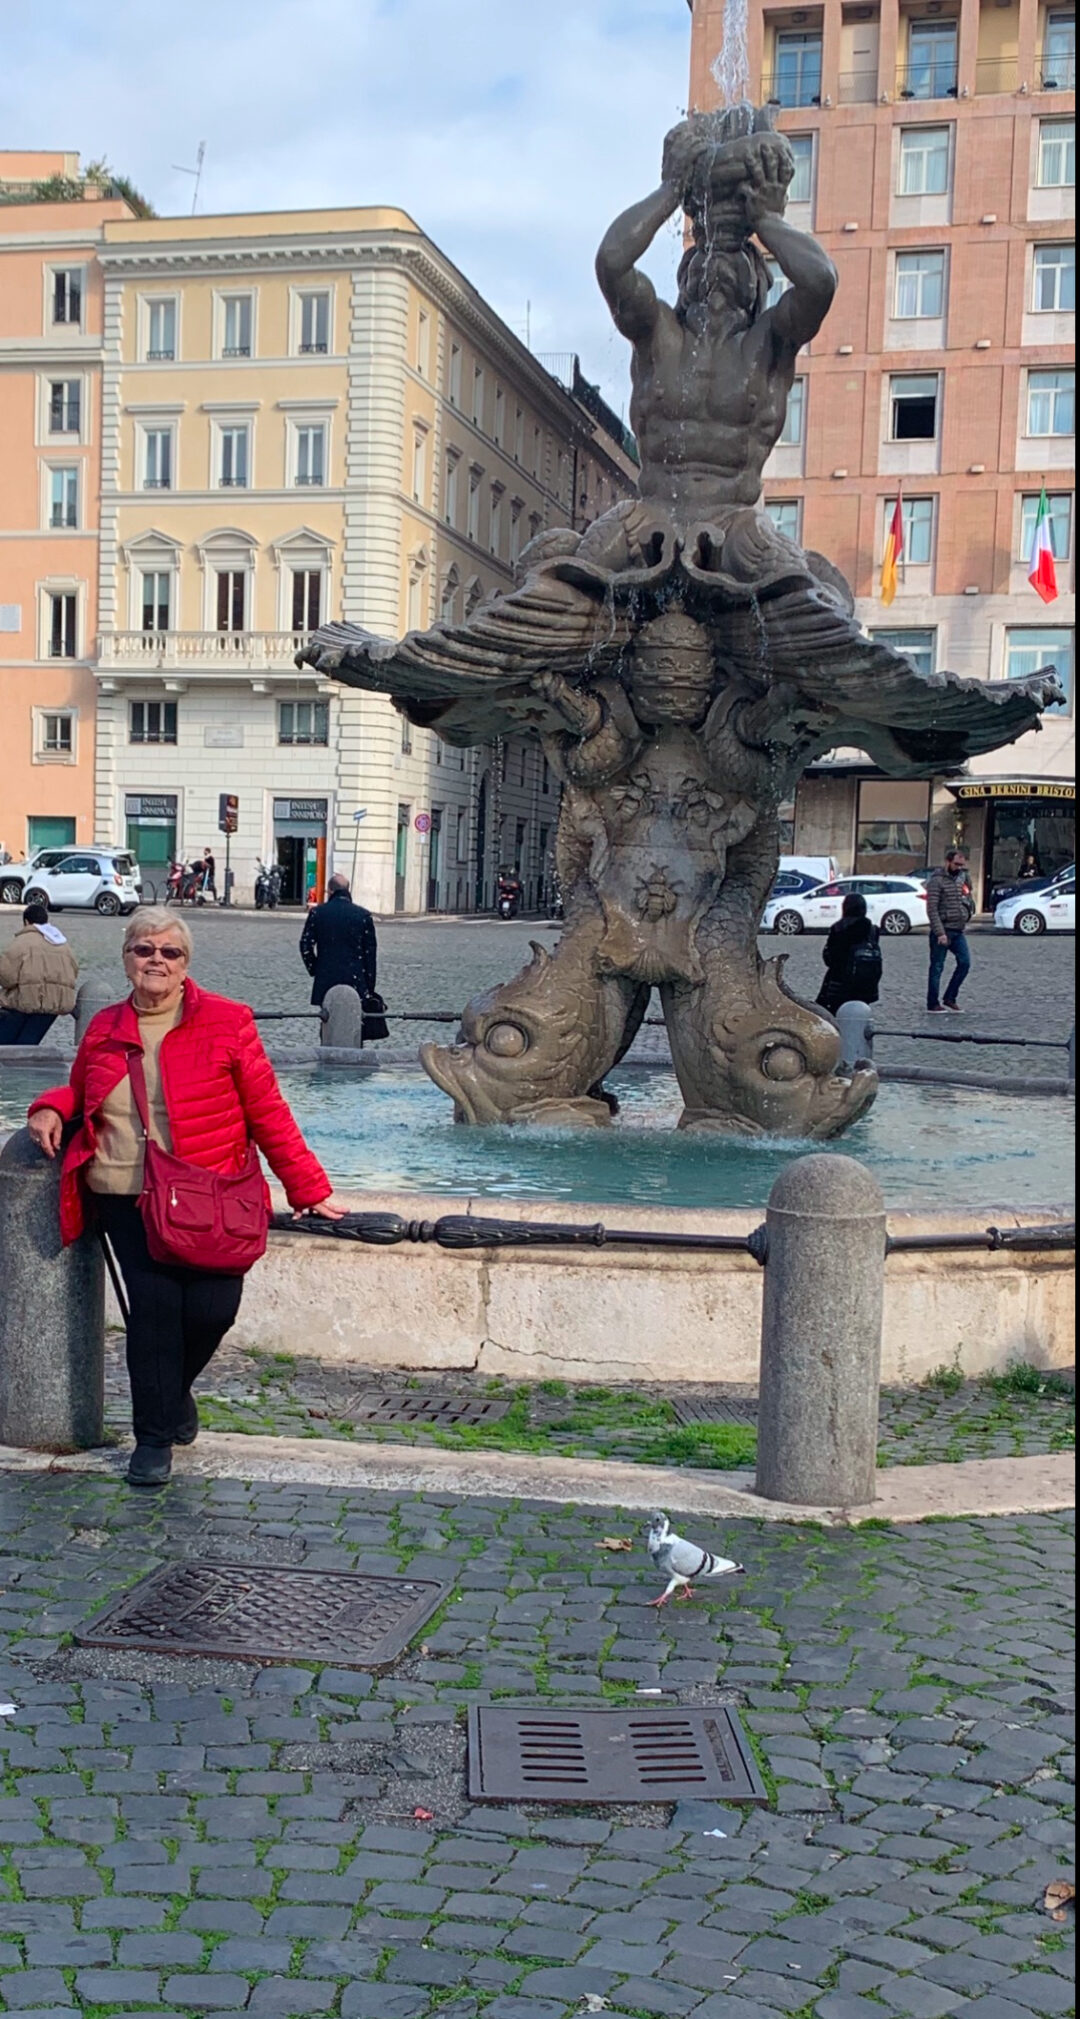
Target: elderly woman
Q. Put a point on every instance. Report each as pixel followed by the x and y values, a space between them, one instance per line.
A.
pixel 210 1092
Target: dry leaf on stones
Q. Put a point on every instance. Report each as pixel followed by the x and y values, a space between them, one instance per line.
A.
pixel 1059 1894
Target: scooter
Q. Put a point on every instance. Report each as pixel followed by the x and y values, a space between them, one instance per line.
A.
pixel 186 884
pixel 180 886
pixel 508 897
pixel 268 887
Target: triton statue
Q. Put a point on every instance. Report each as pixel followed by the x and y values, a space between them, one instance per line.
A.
pixel 682 662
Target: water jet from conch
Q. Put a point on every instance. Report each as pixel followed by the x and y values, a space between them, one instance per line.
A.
pixel 731 66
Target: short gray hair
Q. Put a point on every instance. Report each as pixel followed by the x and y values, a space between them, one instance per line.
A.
pixel 152 919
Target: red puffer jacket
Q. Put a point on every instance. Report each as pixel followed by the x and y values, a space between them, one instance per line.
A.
pixel 219 1089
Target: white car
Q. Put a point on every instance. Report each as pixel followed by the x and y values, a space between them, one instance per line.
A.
pixel 105 880
pixel 15 876
pixel 1050 910
pixel 896 904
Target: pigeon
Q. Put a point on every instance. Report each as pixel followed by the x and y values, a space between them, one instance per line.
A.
pixel 683 1561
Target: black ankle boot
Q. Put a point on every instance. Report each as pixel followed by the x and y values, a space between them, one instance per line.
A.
pixel 150 1465
pixel 187 1428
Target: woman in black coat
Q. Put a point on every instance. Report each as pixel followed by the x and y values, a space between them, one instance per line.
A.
pixel 852 956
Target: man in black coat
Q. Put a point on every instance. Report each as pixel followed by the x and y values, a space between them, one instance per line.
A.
pixel 338 943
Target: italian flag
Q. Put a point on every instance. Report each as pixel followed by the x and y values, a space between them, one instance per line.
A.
pixel 1042 573
pixel 894 552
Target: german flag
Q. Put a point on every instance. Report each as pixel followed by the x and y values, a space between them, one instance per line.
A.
pixel 894 553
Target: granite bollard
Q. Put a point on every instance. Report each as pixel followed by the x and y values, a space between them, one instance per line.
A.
pixel 343 1024
pixel 52 1312
pixel 856 1027
pixel 93 996
pixel 821 1334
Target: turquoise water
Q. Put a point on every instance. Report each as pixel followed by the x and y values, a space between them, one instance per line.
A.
pixel 392 1132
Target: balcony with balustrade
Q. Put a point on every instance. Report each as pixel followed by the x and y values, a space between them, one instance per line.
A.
pixel 259 659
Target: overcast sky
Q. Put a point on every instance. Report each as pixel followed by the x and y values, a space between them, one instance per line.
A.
pixel 512 130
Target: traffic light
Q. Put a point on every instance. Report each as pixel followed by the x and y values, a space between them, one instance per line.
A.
pixel 228 813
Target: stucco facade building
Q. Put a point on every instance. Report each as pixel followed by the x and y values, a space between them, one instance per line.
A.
pixel 935 161
pixel 313 416
pixel 277 420
pixel 51 347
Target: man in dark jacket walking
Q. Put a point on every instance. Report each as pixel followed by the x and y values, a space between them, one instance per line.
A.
pixel 338 943
pixel 950 905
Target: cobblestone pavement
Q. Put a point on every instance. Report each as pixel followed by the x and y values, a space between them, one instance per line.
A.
pixel 1017 988
pixel 1021 1414
pixel 219 1837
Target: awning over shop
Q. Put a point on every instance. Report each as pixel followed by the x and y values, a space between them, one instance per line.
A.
pixel 1010 788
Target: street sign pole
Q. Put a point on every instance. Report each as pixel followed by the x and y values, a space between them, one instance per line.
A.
pixel 422 824
pixel 228 818
pixel 358 816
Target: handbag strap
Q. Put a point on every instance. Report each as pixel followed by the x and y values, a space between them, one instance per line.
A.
pixel 137 1076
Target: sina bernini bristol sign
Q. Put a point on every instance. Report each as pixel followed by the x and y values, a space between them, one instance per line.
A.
pixel 1020 790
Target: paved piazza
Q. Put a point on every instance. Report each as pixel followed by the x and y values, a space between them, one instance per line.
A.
pixel 1018 988
pixel 209 1837
pixel 212 1837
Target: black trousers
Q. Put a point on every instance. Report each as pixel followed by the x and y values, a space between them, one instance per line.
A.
pixel 177 1320
pixel 24 1027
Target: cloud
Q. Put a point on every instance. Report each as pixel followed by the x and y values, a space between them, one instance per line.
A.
pixel 511 132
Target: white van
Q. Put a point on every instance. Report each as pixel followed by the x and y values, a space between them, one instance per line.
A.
pixel 798 873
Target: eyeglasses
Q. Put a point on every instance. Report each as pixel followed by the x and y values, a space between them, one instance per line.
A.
pixel 143 951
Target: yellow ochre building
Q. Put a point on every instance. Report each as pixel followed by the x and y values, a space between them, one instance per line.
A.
pixel 297 417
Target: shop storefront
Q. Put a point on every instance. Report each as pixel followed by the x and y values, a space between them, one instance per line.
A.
pixel 1008 822
pixel 300 831
pixel 150 833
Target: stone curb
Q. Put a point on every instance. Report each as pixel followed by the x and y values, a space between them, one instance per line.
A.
pixel 905 1493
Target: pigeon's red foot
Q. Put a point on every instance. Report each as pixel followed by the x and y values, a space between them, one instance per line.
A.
pixel 686 1592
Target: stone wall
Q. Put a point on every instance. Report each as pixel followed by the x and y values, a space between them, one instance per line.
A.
pixel 612 1316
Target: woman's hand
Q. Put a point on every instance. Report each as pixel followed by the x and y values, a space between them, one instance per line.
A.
pixel 47 1130
pixel 327 1209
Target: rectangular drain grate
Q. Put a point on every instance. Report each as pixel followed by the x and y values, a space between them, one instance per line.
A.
pixel 405 1406
pixel 609 1756
pixel 268 1612
pixel 724 1409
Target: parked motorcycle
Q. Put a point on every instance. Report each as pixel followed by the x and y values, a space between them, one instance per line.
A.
pixel 268 887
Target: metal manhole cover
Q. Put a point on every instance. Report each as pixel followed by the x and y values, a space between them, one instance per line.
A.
pixel 268 1612
pixel 405 1406
pixel 722 1409
pixel 609 1756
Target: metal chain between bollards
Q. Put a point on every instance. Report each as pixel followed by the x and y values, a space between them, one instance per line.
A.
pixel 463 1233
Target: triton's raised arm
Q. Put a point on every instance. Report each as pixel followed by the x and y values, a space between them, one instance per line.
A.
pixel 630 295
pixel 802 309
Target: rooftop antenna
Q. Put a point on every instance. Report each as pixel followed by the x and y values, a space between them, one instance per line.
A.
pixel 200 156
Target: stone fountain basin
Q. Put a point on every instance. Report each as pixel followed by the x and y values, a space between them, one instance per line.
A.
pixel 949 1160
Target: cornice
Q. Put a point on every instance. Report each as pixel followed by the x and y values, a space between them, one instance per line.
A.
pixel 226 255
pixel 50 241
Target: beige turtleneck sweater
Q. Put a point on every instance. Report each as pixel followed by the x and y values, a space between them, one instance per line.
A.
pixel 117 1166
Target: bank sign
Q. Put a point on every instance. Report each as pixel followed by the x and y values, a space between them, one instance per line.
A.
pixel 150 806
pixel 300 809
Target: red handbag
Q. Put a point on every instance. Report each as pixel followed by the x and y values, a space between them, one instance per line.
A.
pixel 212 1220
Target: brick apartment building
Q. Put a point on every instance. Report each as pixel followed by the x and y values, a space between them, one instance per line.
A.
pixel 935 158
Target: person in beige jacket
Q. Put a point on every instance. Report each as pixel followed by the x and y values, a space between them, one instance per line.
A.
pixel 38 977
